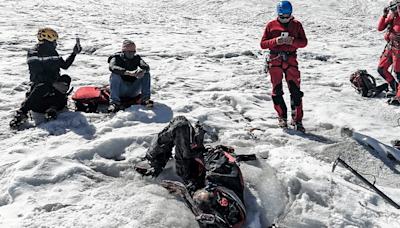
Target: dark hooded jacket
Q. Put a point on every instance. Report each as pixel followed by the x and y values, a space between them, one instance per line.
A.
pixel 45 63
pixel 119 64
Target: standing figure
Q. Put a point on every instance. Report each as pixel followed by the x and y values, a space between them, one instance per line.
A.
pixel 391 55
pixel 48 88
pixel 283 37
pixel 130 77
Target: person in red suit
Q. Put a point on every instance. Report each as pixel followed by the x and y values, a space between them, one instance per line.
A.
pixel 283 37
pixel 391 55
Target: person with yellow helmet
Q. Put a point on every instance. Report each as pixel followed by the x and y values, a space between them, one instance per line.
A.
pixel 48 88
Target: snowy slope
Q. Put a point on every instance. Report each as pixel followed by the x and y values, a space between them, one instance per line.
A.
pixel 206 64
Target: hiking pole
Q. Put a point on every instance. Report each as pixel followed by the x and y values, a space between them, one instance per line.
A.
pixel 338 160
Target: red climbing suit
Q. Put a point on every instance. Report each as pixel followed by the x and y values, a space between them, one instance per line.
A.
pixel 391 54
pixel 286 63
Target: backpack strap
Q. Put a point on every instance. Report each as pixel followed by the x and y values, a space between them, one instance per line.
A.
pixel 104 91
pixel 369 81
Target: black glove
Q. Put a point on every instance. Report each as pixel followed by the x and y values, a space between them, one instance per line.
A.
pixel 77 49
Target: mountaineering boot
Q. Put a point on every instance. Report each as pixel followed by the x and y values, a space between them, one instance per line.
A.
pixel 113 108
pixel 282 123
pixel 50 114
pixel 19 118
pixel 391 94
pixel 393 85
pixel 393 101
pixel 396 144
pixel 298 126
pixel 147 102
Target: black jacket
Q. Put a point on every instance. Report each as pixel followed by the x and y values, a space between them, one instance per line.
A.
pixel 45 63
pixel 118 64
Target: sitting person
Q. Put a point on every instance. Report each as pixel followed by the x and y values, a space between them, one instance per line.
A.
pixel 212 185
pixel 44 68
pixel 130 76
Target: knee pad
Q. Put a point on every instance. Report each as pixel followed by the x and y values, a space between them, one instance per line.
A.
pixel 295 90
pixel 278 100
pixel 296 94
pixel 380 71
pixel 277 90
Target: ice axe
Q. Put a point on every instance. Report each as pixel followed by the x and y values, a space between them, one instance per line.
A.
pixel 339 160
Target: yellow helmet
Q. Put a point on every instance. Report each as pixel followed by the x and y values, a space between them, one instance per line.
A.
pixel 47 34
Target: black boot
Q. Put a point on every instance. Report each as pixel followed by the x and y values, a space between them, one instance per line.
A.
pixel 113 108
pixel 19 118
pixel 393 85
pixel 298 125
pixel 147 102
pixel 50 114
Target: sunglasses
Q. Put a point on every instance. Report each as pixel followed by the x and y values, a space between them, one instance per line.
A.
pixel 394 8
pixel 283 17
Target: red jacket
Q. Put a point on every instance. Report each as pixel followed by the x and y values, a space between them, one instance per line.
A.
pixel 393 25
pixel 274 29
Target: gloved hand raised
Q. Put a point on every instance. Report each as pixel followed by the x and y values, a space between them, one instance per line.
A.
pixel 385 11
pixel 77 49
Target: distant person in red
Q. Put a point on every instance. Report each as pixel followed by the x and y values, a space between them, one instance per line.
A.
pixel 391 55
pixel 283 37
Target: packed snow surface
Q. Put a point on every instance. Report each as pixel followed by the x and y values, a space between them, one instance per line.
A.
pixel 206 64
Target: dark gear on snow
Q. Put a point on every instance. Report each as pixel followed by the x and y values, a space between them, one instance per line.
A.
pixel 219 202
pixel 50 114
pixel 188 143
pixel 365 84
pixel 18 119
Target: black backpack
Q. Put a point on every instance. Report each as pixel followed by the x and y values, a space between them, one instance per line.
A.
pixel 222 169
pixel 364 83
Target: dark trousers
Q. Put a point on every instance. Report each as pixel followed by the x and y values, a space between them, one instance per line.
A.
pixel 43 96
pixel 178 133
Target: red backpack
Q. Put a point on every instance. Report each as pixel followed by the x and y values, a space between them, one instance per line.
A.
pixel 87 99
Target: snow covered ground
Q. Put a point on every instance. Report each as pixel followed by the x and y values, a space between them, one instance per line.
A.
pixel 206 64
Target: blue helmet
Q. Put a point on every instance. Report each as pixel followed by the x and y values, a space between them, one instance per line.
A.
pixel 284 7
